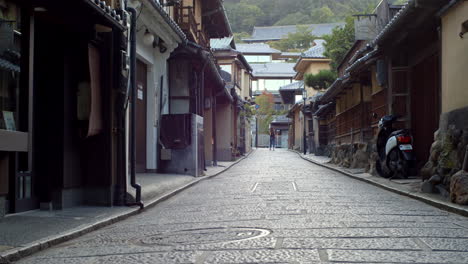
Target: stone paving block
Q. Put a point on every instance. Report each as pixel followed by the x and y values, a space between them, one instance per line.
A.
pixel 333 233
pixel 362 256
pixel 35 260
pixel 428 232
pixel 333 219
pixel 253 244
pixel 447 244
pixel 347 243
pixel 399 225
pixel 263 256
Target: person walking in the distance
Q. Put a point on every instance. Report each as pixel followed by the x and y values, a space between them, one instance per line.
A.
pixel 272 138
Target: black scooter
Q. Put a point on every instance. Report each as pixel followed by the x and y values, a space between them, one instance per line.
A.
pixel 395 150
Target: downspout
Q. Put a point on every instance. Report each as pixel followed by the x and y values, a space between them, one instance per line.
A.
pixel 202 106
pixel 132 147
pixel 213 128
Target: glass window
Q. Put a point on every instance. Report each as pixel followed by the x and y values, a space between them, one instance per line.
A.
pixel 226 68
pixel 10 48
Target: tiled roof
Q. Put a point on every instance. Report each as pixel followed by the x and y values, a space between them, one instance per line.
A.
pixel 279 32
pixel 297 54
pixel 273 70
pixel 281 119
pixel 107 11
pixel 169 20
pixel 222 43
pixel 225 75
pixel 6 65
pixel 293 86
pixel 324 108
pixel 404 16
pixel 316 97
pixel 316 51
pixel 256 48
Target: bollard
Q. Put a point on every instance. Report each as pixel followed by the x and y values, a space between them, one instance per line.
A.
pixel 465 162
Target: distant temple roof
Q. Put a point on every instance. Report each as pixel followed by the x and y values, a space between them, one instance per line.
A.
pixel 282 70
pixel 316 51
pixel 256 48
pixel 282 119
pixel 262 34
pixel 293 86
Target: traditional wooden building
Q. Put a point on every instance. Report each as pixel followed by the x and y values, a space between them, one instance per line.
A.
pixel 232 123
pixel 396 72
pixel 62 91
pixel 158 37
pixel 195 85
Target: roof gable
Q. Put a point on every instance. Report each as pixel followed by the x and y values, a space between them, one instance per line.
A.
pixel 279 32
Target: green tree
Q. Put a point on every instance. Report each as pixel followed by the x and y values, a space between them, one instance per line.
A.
pixel 243 17
pixel 293 12
pixel 323 15
pixel 265 111
pixel 239 36
pixel 339 42
pixel 299 41
pixel 320 81
pixel 294 19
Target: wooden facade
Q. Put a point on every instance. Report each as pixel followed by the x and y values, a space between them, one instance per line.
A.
pixel 401 76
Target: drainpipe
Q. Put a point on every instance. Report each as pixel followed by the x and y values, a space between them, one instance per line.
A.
pixel 213 129
pixel 133 183
pixel 202 106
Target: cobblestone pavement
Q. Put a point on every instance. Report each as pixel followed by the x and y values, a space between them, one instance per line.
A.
pixel 276 208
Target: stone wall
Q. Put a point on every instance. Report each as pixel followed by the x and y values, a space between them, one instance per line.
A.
pixel 357 155
pixel 447 154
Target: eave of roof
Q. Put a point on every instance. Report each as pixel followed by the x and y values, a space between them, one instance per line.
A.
pixel 448 7
pixel 169 20
pixel 406 14
pixel 109 13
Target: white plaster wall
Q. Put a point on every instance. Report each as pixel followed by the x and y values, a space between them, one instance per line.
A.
pixel 156 63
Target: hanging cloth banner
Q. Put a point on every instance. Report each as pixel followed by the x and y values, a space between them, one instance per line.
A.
pixel 95 117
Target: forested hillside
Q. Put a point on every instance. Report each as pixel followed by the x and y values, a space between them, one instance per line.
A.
pixel 245 14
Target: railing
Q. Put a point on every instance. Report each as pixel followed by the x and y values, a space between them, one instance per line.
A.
pixel 185 18
pixel 354 119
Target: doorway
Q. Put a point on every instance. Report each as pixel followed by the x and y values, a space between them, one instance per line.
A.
pixel 425 105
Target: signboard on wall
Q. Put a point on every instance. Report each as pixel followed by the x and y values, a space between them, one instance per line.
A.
pixel 365 27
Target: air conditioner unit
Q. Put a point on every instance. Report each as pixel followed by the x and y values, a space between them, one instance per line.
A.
pixel 176 131
pixel 182 138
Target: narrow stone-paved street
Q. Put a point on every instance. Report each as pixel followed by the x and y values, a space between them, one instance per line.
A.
pixel 274 207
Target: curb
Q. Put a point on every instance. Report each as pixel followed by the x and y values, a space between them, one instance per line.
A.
pixel 42 244
pixel 446 206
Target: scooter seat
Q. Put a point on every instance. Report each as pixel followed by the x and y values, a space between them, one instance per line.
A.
pixel 399 132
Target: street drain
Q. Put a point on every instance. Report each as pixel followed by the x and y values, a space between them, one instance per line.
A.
pixel 203 236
